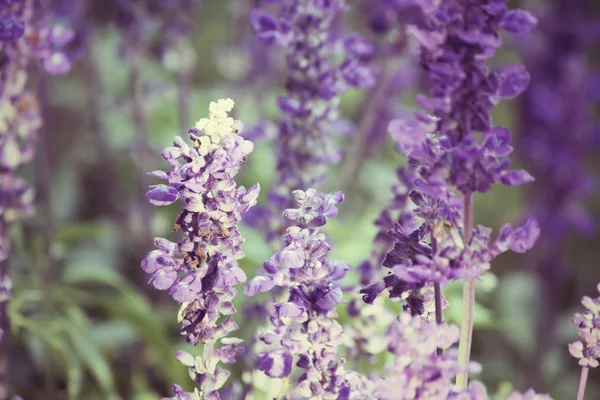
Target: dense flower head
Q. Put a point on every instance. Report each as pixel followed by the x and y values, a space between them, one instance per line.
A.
pixel 417 372
pixel 528 395
pixel 12 25
pixel 446 154
pixel 25 37
pixel 304 328
pixel 305 144
pixel 201 270
pixel 457 37
pixel 587 350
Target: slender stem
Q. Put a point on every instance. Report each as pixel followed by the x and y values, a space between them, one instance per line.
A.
pixel 375 100
pixel 582 382
pixel 141 135
pixel 468 302
pixel 439 313
pixel 4 320
pixel 45 172
pixel 183 100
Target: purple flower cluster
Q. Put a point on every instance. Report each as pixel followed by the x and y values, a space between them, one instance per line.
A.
pixel 201 270
pixel 452 148
pixel 305 143
pixel 304 328
pixel 587 350
pixel 25 36
pixel 12 25
pixel 417 373
pixel 558 101
pixel 445 153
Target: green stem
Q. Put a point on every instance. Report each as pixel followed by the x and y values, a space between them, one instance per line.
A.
pixel 439 316
pixel 582 382
pixel 468 303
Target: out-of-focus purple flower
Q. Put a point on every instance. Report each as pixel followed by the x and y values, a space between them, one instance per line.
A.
pixel 417 371
pixel 304 327
pixel 201 270
pixel 446 154
pixel 587 350
pixel 24 38
pixel 558 101
pixel 305 145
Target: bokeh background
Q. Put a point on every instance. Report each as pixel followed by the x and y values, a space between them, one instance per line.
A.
pixel 85 323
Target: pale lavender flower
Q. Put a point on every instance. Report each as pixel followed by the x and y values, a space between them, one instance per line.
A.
pixel 528 395
pixel 25 37
pixel 559 100
pixel 304 327
pixel 587 350
pixel 201 270
pixel 305 145
pixel 417 372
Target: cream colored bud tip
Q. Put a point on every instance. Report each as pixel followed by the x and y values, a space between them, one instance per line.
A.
pixel 220 108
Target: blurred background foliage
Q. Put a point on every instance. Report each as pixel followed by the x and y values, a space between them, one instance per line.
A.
pixel 85 325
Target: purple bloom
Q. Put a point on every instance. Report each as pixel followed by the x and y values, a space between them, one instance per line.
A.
pixel 559 100
pixel 305 145
pixel 417 371
pixel 587 350
pixel 304 328
pixel 24 38
pixel 201 270
pixel 446 155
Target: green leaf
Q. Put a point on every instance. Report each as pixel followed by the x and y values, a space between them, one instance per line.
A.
pixel 143 319
pixel 90 274
pixel 504 389
pixel 518 292
pixel 60 347
pixel 91 356
pixel 77 231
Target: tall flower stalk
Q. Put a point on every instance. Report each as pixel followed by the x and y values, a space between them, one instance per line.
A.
pixel 446 155
pixel 26 35
pixel 304 325
pixel 201 270
pixel 557 101
pixel 587 350
pixel 306 141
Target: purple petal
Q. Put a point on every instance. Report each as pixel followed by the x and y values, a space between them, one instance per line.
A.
pixel 162 195
pixel 358 46
pixel 514 81
pixel 524 238
pixel 519 21
pixel 275 364
pixel 516 178
pixel 257 285
pixel 11 29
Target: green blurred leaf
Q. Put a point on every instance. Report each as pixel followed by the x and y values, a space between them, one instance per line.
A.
pixel 64 352
pixel 91 356
pixel 90 274
pixel 77 231
pixel 139 313
pixel 504 389
pixel 516 305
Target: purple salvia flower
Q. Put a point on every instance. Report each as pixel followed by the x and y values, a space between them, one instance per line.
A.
pixel 587 350
pixel 24 37
pixel 310 105
pixel 305 332
pixel 201 270
pixel 417 372
pixel 558 101
pixel 436 242
pixel 528 395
